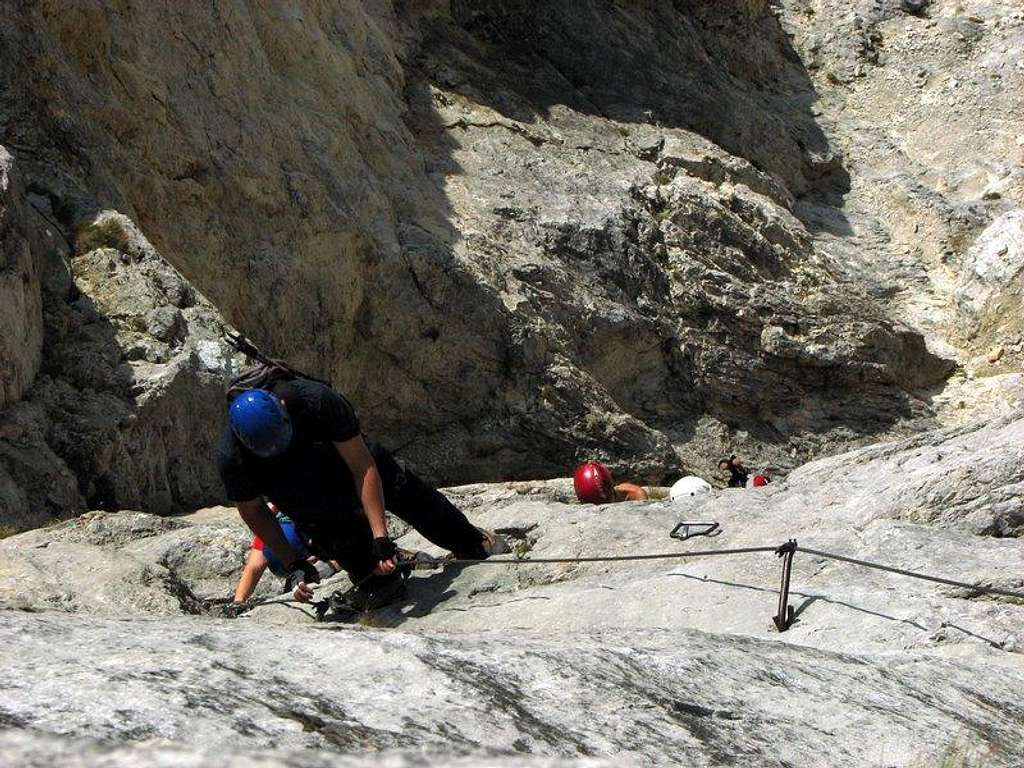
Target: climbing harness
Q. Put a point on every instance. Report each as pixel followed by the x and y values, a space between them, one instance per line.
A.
pixel 687 529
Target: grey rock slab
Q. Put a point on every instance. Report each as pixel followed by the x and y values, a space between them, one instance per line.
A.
pixel 126 563
pixel 32 750
pixel 79 577
pixel 969 477
pixel 944 504
pixel 654 662
pixel 660 698
pixel 839 606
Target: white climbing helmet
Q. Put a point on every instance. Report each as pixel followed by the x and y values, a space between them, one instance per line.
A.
pixel 691 485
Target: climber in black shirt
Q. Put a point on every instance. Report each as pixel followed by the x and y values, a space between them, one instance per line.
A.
pixel 298 445
pixel 737 472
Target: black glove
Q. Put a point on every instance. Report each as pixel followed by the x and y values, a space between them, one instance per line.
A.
pixel 234 610
pixel 299 571
pixel 384 548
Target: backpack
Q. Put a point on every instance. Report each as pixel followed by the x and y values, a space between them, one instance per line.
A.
pixel 265 373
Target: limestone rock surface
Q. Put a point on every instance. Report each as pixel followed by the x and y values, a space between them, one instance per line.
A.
pixel 992 280
pixel 518 235
pixel 656 662
pixel 174 689
pixel 919 99
pixel 128 400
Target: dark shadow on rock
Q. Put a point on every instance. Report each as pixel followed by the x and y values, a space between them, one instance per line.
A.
pixel 425 593
pixel 422 595
pixel 810 599
pixel 125 409
pixel 504 416
pixel 726 71
pixel 988 640
pixel 820 217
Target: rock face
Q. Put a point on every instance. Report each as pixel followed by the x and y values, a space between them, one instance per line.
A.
pixel 138 382
pixel 31 476
pixel 518 235
pixel 21 314
pixel 127 400
pixel 114 648
pixel 514 247
pixel 920 98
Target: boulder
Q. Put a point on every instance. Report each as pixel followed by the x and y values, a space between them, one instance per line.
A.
pixel 991 282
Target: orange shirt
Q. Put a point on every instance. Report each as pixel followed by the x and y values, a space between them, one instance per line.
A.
pixel 630 492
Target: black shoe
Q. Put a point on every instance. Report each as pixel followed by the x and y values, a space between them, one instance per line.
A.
pixel 491 543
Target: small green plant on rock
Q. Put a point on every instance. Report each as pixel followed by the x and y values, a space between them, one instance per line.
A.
pixel 105 234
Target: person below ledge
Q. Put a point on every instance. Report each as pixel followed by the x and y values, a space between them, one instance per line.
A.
pixel 261 558
pixel 738 474
pixel 594 485
pixel 298 445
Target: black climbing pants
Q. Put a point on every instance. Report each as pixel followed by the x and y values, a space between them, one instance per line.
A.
pixel 348 539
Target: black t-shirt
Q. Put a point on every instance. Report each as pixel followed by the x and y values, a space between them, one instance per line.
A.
pixel 309 480
pixel 738 476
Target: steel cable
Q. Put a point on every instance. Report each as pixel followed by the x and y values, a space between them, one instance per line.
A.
pixel 911 574
pixel 440 563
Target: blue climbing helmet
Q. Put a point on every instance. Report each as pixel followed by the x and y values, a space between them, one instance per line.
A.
pixel 295 538
pixel 260 421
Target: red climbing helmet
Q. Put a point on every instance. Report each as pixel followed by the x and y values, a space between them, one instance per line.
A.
pixel 760 480
pixel 593 483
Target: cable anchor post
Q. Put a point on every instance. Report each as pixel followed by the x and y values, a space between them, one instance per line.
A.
pixel 784 619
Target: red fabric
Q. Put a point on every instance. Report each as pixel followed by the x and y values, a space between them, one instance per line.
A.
pixel 760 480
pixel 257 542
pixel 593 483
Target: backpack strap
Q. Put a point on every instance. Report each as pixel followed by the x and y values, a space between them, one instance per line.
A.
pixel 265 373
